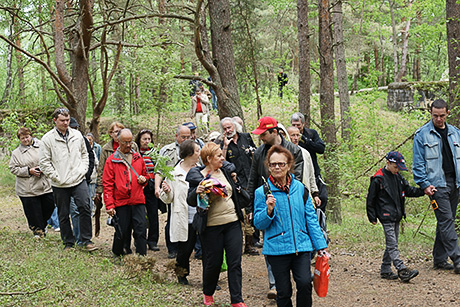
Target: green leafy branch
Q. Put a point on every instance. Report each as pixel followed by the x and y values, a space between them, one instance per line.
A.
pixel 161 162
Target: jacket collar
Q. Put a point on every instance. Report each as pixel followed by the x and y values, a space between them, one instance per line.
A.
pixel 433 129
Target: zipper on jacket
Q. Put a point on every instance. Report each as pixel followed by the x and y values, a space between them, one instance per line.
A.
pixel 280 234
pixel 292 225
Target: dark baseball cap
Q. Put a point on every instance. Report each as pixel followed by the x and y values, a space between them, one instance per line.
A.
pixel 73 123
pixel 190 125
pixel 397 157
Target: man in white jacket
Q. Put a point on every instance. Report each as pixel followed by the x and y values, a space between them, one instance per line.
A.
pixel 64 159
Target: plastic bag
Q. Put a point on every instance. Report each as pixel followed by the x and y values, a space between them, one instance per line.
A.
pixel 321 276
pixel 224 266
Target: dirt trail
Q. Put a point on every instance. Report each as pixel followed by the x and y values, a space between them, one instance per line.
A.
pixel 354 278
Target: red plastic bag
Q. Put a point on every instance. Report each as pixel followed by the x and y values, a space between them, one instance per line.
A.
pixel 321 276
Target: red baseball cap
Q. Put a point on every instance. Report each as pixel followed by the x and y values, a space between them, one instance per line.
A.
pixel 265 123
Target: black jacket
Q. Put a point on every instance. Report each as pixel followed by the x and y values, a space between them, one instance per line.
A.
pixel 91 160
pixel 258 168
pixel 194 177
pixel 386 203
pixel 311 141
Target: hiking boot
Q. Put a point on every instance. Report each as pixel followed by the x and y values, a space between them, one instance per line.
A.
pixel 154 248
pixel 389 276
pixel 443 266
pixel 258 244
pixel 208 300
pixel 239 305
pixel 457 269
pixel 90 247
pixel 172 255
pixel 68 247
pixel 272 294
pixel 405 274
pixel 182 280
pixel 249 247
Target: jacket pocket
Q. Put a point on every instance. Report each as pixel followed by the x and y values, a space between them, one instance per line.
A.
pixel 457 150
pixel 277 235
pixel 431 150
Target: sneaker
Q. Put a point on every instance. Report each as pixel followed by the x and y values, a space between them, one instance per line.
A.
pixel 443 266
pixel 57 229
pixel 389 276
pixel 172 255
pixel 249 250
pixel 258 244
pixel 239 305
pixel 68 247
pixel 405 274
pixel 457 269
pixel 91 247
pixel 218 288
pixel 272 294
pixel 208 300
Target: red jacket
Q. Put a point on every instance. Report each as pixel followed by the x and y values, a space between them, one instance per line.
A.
pixel 119 189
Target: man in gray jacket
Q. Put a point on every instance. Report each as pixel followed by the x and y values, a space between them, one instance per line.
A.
pixel 64 159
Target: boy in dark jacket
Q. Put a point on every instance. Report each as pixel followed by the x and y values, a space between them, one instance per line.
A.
pixel 385 202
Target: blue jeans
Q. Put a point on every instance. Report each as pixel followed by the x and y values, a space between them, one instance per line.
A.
pixel 92 193
pixel 299 265
pixel 54 219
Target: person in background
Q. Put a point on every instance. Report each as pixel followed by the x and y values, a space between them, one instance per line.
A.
pixel 283 208
pixel 200 111
pixel 282 81
pixel 96 147
pixel 193 135
pixel 64 159
pixel 223 228
pixel 32 187
pixel 385 202
pixel 437 170
pixel 143 139
pixel 124 179
pixel 193 84
pixel 175 192
pixel 92 183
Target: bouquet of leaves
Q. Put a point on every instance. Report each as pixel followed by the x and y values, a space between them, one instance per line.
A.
pixel 160 162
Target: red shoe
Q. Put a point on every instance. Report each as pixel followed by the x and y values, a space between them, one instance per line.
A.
pixel 208 300
pixel 239 305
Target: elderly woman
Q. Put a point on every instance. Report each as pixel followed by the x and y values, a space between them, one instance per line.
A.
pixel 283 208
pixel 175 192
pixel 33 188
pixel 223 228
pixel 143 139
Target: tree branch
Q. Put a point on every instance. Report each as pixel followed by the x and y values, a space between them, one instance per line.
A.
pixel 126 44
pixel 23 293
pixel 201 79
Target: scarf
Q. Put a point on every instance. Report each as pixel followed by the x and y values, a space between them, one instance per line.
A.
pixel 284 188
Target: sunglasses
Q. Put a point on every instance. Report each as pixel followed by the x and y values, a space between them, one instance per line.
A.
pixel 277 164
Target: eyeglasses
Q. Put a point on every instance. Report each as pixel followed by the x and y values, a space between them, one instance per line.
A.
pixel 126 142
pixel 185 137
pixel 144 131
pixel 277 164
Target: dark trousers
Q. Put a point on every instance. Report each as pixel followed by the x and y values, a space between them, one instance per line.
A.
pixel 172 247
pixel 300 267
pixel 446 242
pixel 214 240
pixel 38 210
pixel 322 193
pixel 62 200
pixel 151 204
pixel 130 216
pixel 184 250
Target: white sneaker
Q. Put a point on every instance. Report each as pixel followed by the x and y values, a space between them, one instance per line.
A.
pixel 57 229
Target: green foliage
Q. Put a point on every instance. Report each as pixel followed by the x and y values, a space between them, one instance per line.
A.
pixel 161 162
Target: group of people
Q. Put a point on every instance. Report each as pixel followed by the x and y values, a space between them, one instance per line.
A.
pixel 225 190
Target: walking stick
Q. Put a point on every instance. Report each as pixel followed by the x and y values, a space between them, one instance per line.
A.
pixel 430 206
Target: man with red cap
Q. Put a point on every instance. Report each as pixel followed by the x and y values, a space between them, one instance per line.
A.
pixel 269 135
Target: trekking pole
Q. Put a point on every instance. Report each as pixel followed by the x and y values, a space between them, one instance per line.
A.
pixel 430 206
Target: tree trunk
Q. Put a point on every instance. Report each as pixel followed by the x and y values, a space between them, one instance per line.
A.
pixel 342 77
pixel 358 56
pixel 327 111
pixel 403 67
pixel 228 99
pixel 453 50
pixel 395 43
pixel 19 62
pixel 304 59
pixel 9 72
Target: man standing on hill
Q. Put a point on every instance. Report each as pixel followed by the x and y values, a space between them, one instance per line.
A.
pixel 64 159
pixel 436 169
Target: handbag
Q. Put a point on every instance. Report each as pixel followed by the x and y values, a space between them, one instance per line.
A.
pixel 200 219
pixel 243 196
pixel 321 276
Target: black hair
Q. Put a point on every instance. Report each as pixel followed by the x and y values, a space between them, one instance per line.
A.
pixel 439 104
pixel 139 135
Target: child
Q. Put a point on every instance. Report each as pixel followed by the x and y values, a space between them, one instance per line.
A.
pixel 385 201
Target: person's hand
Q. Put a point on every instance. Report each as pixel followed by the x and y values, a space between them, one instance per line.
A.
pixel 317 202
pixel 166 187
pixel 98 197
pixel 374 223
pixel 270 204
pixel 141 179
pixel 35 171
pixel 111 212
pixel 322 251
pixel 430 190
pixel 200 189
pixel 234 176
pixel 226 141
pixel 249 217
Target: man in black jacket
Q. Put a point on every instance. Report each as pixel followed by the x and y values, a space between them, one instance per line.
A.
pixel 269 135
pixel 385 202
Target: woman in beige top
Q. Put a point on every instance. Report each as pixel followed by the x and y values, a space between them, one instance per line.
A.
pixel 223 228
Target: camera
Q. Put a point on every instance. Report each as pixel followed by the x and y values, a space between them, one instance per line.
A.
pixel 110 221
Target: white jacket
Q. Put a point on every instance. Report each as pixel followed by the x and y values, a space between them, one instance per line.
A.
pixel 65 163
pixel 178 230
pixel 308 172
pixel 22 159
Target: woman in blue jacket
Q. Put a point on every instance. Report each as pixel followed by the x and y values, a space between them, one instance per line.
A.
pixel 291 227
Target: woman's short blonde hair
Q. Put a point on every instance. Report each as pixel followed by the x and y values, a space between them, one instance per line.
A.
pixel 23 131
pixel 208 150
pixel 113 125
